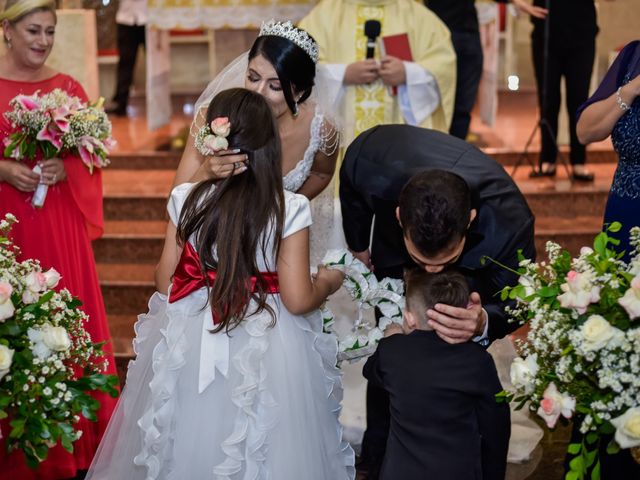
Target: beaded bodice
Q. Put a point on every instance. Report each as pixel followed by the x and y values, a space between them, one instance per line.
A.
pixel 626 140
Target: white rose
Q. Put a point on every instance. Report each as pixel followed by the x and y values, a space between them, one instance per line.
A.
pixel 215 143
pixel 630 301
pixel 56 338
pixel 628 428
pixel 6 305
pixel 584 251
pixel 52 277
pixel 6 358
pixel 35 281
pixel 634 266
pixel 523 372
pixel 597 333
pixel 29 297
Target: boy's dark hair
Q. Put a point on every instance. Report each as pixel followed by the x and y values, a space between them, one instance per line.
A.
pixel 235 221
pixel 293 65
pixel 424 290
pixel 434 210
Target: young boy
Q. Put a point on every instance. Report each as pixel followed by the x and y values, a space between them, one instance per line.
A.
pixel 445 421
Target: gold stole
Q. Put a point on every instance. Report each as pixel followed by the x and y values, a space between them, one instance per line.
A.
pixel 370 99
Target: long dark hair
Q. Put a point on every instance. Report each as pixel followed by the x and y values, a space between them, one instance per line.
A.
pixel 293 65
pixel 235 220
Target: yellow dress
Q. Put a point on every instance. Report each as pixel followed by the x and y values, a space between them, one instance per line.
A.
pixel 427 98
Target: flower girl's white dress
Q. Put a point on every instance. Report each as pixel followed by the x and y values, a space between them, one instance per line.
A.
pixel 260 403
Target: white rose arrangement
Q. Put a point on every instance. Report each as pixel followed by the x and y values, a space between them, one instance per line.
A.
pixel 363 287
pixel 48 363
pixel 581 359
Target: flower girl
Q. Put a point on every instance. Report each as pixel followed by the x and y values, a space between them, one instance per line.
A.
pixel 233 378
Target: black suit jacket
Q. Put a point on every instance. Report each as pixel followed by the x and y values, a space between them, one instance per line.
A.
pixel 445 421
pixel 379 163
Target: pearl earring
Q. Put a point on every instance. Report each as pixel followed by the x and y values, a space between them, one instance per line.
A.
pixel 296 110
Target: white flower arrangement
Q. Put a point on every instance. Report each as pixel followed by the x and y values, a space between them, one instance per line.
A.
pixel 363 287
pixel 47 358
pixel 582 354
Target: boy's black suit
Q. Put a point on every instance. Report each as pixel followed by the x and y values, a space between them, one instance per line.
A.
pixel 445 422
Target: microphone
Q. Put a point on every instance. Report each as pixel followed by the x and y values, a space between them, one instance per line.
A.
pixel 371 31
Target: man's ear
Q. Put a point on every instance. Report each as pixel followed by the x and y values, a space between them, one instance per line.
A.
pixel 410 319
pixel 398 216
pixel 472 215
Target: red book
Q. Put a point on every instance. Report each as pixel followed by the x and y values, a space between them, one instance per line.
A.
pixel 397 46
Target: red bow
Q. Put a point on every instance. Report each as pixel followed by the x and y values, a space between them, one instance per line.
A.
pixel 189 278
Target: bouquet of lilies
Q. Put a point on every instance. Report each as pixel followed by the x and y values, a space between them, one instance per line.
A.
pixel 55 123
pixel 48 362
pixel 582 354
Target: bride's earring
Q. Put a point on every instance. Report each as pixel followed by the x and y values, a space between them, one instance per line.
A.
pixel 296 110
pixel 9 44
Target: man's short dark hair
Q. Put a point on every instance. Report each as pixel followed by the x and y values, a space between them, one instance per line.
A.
pixel 434 210
pixel 424 290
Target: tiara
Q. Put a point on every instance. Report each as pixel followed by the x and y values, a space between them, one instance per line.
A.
pixel 296 35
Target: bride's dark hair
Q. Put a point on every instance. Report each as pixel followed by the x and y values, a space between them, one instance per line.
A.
pixel 293 65
pixel 236 220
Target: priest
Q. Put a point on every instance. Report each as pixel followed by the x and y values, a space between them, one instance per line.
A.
pixel 413 82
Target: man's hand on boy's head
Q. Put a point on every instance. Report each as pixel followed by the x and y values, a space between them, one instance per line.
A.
pixel 458 325
pixel 393 329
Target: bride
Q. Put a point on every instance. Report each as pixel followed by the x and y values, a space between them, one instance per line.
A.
pixel 281 66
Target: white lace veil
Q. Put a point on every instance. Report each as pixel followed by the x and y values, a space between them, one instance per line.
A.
pixel 233 76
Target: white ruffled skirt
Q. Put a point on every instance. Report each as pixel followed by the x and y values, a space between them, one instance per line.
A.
pixel 275 415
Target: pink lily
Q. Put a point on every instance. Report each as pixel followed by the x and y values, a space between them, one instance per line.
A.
pixel 26 102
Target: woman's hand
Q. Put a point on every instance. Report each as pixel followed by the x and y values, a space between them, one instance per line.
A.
pixel 525 7
pixel 222 164
pixel 18 175
pixel 52 171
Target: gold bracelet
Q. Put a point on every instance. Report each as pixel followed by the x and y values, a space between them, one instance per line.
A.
pixel 621 104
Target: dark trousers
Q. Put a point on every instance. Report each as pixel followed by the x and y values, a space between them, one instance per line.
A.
pixel 130 37
pixel 575 63
pixel 374 441
pixel 469 64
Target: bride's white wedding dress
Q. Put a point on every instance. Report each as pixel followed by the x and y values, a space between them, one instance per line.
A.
pixel 326 231
pixel 263 405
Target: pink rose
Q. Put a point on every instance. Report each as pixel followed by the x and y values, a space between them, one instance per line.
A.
pixel 554 404
pixel 221 126
pixel 579 291
pixel 6 305
pixel 51 277
pixel 630 301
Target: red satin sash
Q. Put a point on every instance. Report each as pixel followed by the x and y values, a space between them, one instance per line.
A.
pixel 188 277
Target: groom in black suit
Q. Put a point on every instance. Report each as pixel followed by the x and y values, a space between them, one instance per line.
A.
pixel 376 167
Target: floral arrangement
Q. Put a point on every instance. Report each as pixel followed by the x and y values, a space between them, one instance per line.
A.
pixel 582 355
pixel 363 287
pixel 56 123
pixel 212 138
pixel 48 362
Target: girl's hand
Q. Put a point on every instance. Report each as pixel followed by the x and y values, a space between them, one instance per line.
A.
pixel 333 278
pixel 18 175
pixel 223 164
pixel 53 171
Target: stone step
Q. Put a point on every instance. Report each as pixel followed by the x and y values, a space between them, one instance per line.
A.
pixel 126 288
pixel 570 233
pixel 131 241
pixel 510 157
pixel 152 160
pixel 169 160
